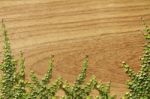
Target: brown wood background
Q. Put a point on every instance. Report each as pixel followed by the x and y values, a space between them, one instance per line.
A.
pixel 109 31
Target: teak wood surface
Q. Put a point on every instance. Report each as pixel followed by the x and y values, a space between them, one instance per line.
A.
pixel 109 31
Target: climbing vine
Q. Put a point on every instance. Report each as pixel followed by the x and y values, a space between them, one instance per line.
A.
pixel 13 84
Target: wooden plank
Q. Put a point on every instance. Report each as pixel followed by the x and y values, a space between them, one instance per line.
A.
pixel 109 31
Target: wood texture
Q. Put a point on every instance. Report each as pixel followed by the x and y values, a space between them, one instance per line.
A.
pixel 109 31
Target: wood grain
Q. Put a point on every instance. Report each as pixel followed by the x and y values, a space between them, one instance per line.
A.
pixel 109 31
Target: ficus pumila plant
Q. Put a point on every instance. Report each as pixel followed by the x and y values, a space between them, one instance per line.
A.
pixel 13 84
